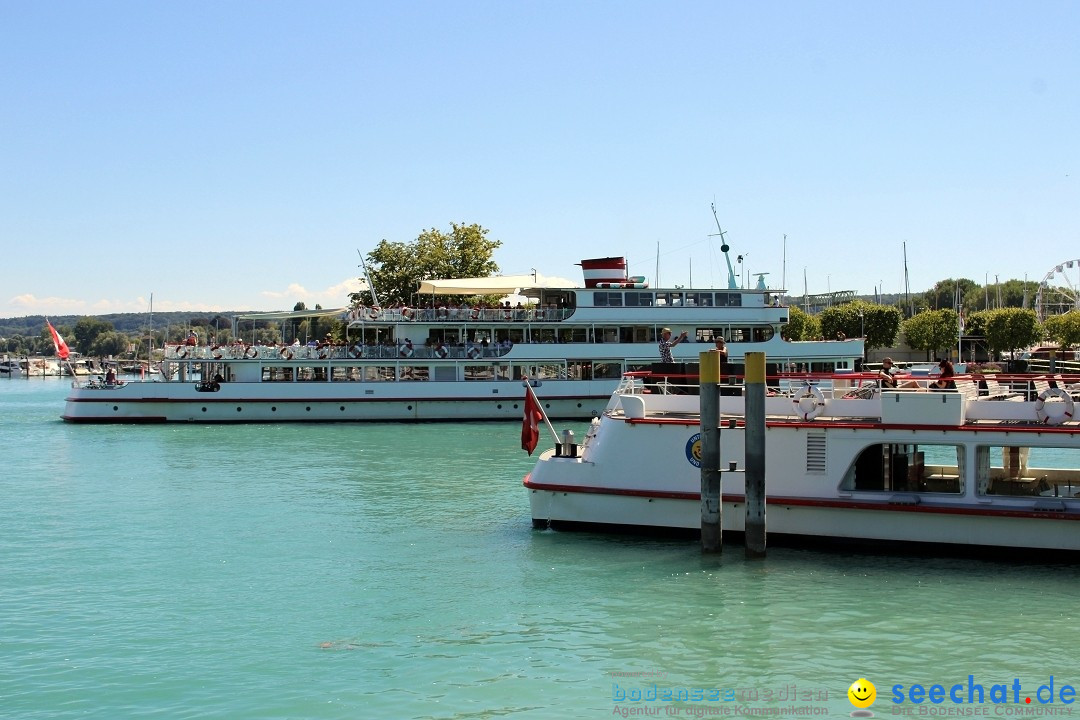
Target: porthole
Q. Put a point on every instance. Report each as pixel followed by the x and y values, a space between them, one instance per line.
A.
pixel 273 408
pixel 342 408
pixel 308 408
pixel 409 408
pixel 238 408
pixel 204 409
pixel 499 406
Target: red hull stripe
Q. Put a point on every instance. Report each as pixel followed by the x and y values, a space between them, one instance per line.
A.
pixel 882 505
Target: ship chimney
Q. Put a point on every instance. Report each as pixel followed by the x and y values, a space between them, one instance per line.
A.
pixel 605 270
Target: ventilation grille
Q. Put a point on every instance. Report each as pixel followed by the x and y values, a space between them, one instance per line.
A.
pixel 815 454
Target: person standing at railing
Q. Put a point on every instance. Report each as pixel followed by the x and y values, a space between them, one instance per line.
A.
pixel 666 343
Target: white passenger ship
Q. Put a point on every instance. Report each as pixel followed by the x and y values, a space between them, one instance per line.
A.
pixel 461 362
pixel 985 468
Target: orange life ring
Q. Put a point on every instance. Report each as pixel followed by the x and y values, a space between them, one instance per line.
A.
pixel 286 353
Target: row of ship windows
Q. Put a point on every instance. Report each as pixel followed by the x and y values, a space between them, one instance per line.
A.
pixel 633 298
pixel 999 470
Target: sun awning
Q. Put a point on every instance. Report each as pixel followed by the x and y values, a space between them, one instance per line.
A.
pixel 498 285
pixel 288 315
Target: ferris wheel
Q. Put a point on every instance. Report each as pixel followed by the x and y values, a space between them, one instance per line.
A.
pixel 1059 291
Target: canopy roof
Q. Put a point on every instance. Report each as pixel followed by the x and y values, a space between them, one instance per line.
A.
pixel 497 285
pixel 290 314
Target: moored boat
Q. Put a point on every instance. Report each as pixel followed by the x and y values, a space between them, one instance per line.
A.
pixel 976 467
pixel 447 361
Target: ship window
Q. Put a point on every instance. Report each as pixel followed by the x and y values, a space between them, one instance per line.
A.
pixel 277 374
pixel 579 370
pixel 379 373
pixel 898 467
pixel 699 299
pixel 479 372
pixel 444 373
pixel 1021 470
pixel 552 371
pixel 729 299
pixel 344 374
pixel 709 335
pixel 414 372
pixel 607 334
pixel 669 299
pixel 615 299
pixel 639 299
pixel 603 370
pixel 599 299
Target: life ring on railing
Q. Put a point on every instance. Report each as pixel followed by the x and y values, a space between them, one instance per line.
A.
pixel 442 352
pixel 808 402
pixel 538 314
pixel 474 353
pixel 1040 406
pixel 285 353
pixel 474 314
pixel 508 314
pixel 357 351
pixel 216 352
pixel 181 352
pixel 251 352
pixel 374 312
pixel 443 313
pixel 405 351
pixel 407 313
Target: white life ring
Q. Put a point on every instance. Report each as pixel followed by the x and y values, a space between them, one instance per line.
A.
pixel 251 352
pixel 357 351
pixel 405 351
pixel 216 352
pixel 374 312
pixel 808 402
pixel 285 353
pixel 508 314
pixel 407 313
pixel 474 353
pixel 442 351
pixel 1040 406
pixel 181 351
pixel 443 313
pixel 474 313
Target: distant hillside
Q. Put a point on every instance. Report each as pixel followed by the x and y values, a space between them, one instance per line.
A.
pixel 131 323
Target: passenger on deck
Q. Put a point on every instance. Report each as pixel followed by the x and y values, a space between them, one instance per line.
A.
pixel 944 380
pixel 885 374
pixel 110 377
pixel 666 343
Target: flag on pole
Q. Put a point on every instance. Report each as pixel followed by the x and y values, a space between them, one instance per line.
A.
pixel 62 350
pixel 530 425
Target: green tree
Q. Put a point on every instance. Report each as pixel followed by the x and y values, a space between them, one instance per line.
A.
pixel 1008 329
pixel 877 324
pixel 109 343
pixel 1064 329
pixel 932 330
pixel 397 268
pixel 801 325
pixel 86 332
pixel 943 294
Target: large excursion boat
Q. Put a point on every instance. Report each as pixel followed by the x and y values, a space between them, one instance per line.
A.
pixel 991 467
pixel 447 362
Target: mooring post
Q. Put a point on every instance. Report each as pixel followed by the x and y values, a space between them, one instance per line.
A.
pixel 754 437
pixel 711 509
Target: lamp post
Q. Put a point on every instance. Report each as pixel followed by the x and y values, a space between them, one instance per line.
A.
pixel 862 326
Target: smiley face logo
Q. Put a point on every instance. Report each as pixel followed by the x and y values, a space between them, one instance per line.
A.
pixel 862 693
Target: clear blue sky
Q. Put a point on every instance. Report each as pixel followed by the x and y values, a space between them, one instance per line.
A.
pixel 236 155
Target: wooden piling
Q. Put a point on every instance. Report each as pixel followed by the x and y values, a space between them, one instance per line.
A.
pixel 711 508
pixel 754 437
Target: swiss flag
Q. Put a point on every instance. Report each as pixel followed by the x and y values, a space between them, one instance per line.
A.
pixel 62 350
pixel 530 425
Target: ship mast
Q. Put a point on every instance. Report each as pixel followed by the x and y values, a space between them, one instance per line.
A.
pixel 724 249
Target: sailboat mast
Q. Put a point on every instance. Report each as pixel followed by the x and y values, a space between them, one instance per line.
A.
pixel 907 288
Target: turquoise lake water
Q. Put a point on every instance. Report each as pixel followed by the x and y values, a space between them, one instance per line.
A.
pixel 391 571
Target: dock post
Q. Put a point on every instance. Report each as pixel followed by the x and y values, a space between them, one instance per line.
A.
pixel 755 454
pixel 711 502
